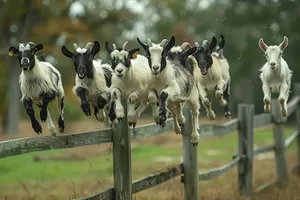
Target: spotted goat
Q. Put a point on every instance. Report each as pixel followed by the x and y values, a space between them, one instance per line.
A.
pixel 130 80
pixel 40 82
pixel 93 81
pixel 173 81
pixel 275 75
pixel 214 76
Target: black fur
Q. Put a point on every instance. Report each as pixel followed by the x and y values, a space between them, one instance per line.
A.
pixel 101 102
pixel 55 79
pixel 227 112
pixel 83 62
pixel 46 98
pixel 30 112
pixel 85 106
pixel 204 58
pixel 163 109
pixel 107 74
pixel 112 114
pixel 26 57
pixel 61 123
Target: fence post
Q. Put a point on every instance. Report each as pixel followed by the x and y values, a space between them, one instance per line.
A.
pixel 245 148
pixel 122 158
pixel 297 93
pixel 190 161
pixel 278 134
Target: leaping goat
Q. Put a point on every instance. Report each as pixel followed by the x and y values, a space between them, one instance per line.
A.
pixel 275 75
pixel 40 82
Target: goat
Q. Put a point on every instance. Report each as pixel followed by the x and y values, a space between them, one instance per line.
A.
pixel 40 82
pixel 93 80
pixel 130 80
pixel 275 75
pixel 214 77
pixel 174 81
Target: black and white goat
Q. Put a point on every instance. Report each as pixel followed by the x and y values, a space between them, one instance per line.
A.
pixel 275 75
pixel 93 80
pixel 174 82
pixel 40 82
pixel 130 79
pixel 214 77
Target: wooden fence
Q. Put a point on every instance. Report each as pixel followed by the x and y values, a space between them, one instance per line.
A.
pixel 121 137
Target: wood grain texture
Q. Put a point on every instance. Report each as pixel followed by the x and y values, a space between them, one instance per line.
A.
pixel 291 139
pixel 264 149
pixel 190 160
pixel 42 143
pixel 213 173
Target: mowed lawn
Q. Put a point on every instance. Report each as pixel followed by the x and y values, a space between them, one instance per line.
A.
pixel 78 172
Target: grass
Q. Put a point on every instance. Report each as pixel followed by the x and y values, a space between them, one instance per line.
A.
pixel 82 171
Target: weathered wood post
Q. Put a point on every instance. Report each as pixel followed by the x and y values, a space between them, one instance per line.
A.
pixel 245 148
pixel 122 158
pixel 278 134
pixel 190 161
pixel 297 93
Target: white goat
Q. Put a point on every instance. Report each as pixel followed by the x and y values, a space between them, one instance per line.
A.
pixel 93 80
pixel 275 75
pixel 214 77
pixel 40 83
pixel 130 79
pixel 174 82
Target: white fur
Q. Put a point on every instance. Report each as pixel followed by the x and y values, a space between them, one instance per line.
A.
pixel 95 87
pixel 217 75
pixel 167 82
pixel 30 88
pixel 131 83
pixel 275 75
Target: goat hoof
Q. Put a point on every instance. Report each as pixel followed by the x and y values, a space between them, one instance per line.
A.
pixel 134 124
pixel 43 114
pixel 228 115
pixel 61 124
pixel 119 119
pixel 195 144
pixel 86 109
pixel 181 125
pixel 37 127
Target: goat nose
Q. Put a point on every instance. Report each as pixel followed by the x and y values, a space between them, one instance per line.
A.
pixel 25 61
pixel 119 70
pixel 155 67
pixel 272 64
pixel 202 63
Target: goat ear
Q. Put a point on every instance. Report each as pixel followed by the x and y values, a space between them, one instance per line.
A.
pixel 212 44
pixel 222 43
pixel 145 47
pixel 170 44
pixel 13 51
pixel 66 52
pixel 96 48
pixel 284 43
pixel 108 47
pixel 38 48
pixel 191 51
pixel 262 44
pixel 132 54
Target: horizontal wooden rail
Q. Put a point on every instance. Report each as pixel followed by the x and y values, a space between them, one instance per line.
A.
pixel 264 149
pixel 290 139
pixel 262 119
pixel 213 173
pixel 292 105
pixel 142 184
pixel 41 143
pixel 208 130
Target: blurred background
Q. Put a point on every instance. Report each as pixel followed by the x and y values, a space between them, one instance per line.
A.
pixel 62 22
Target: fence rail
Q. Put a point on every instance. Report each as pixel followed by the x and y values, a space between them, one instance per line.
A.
pixel 124 187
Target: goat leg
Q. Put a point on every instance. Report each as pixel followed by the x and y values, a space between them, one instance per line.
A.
pixel 46 98
pixel 30 112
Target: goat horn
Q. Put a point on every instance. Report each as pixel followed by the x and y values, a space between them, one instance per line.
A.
pixel 149 43
pixel 186 46
pixel 31 43
pixel 205 43
pixel 114 46
pixel 89 45
pixel 124 45
pixel 75 46
pixel 164 42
